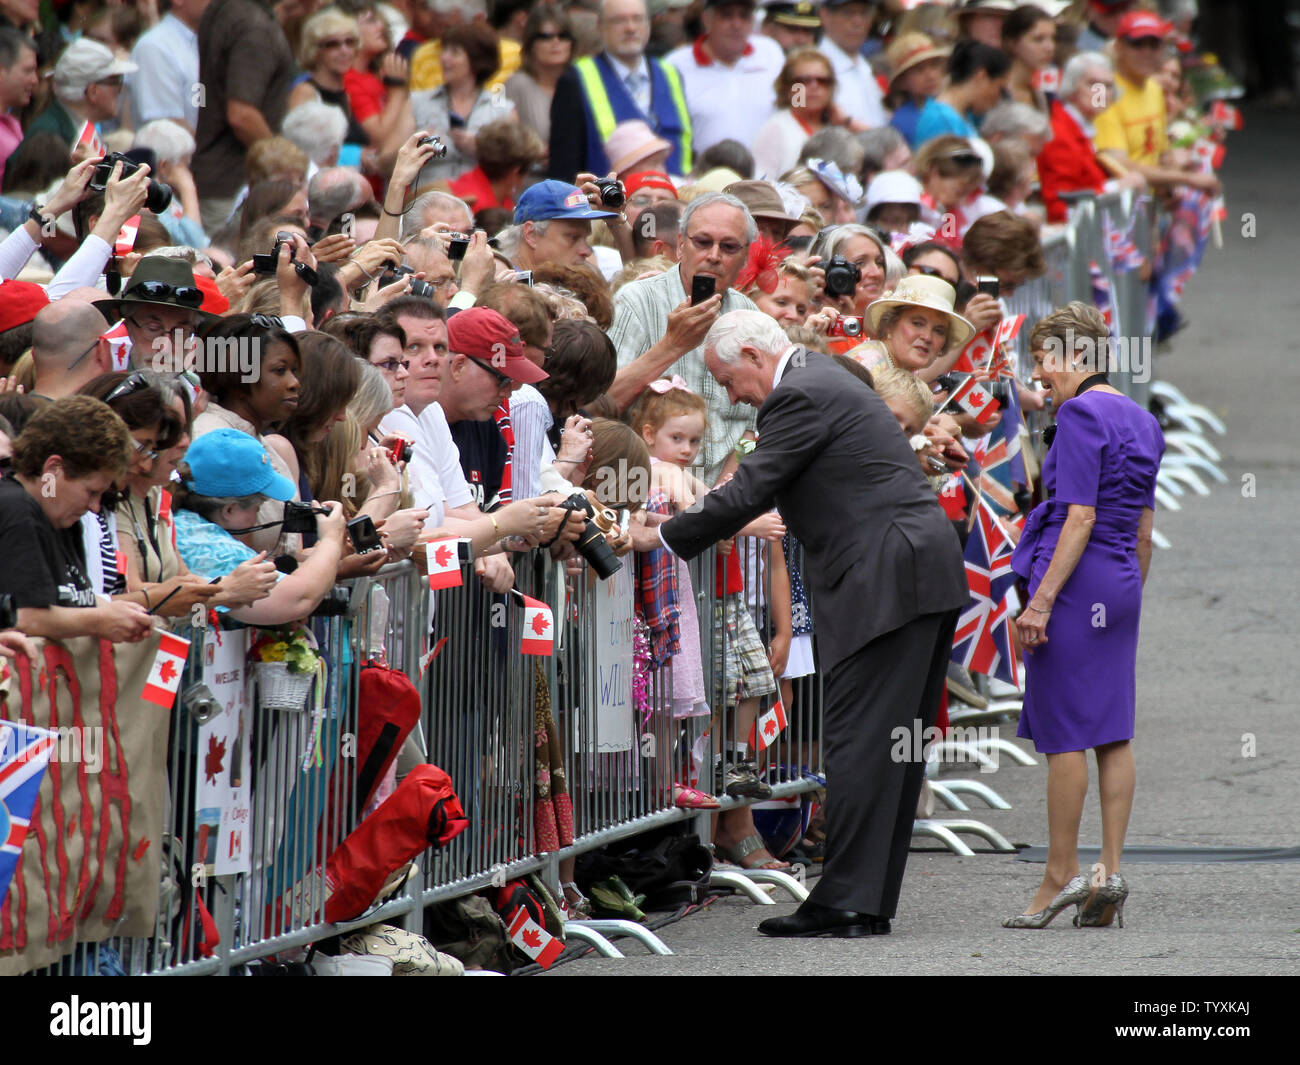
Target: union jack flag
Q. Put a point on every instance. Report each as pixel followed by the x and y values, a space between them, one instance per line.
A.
pixel 1101 293
pixel 1120 246
pixel 24 753
pixel 982 642
pixel 998 464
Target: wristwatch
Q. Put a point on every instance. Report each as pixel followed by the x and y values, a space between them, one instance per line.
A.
pixel 37 215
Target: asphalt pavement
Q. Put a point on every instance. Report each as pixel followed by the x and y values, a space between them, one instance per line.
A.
pixel 1216 747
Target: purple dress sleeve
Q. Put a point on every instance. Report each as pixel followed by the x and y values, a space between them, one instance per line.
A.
pixel 1080 447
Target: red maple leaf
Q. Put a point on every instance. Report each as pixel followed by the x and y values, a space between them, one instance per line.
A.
pixel 531 938
pixel 770 728
pixel 539 623
pixel 443 555
pixel 167 671
pixel 975 398
pixel 213 759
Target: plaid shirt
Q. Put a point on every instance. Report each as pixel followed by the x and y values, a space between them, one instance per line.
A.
pixel 656 589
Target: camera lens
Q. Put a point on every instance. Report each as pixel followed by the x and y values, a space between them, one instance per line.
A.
pixel 158 198
pixel 611 194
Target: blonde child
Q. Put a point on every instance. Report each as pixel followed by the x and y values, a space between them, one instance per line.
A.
pixel 671 419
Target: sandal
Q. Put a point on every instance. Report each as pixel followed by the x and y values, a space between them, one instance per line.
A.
pixel 694 799
pixel 752 844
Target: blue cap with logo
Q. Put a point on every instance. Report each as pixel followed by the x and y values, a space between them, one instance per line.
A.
pixel 226 462
pixel 555 199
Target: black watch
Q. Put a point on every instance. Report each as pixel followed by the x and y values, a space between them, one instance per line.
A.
pixel 37 215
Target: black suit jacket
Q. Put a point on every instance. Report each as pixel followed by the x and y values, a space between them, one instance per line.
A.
pixel 880 551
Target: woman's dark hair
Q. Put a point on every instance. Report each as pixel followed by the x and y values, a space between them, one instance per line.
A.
pixel 41 159
pixel 140 404
pixel 917 250
pixel 728 153
pixel 82 430
pixel 359 332
pixel 481 45
pixel 265 199
pixel 329 379
pixel 258 331
pixel 540 16
pixel 581 362
pixel 1021 21
pixel 970 57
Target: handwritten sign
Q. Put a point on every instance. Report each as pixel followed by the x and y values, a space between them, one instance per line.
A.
pixel 612 729
pixel 222 816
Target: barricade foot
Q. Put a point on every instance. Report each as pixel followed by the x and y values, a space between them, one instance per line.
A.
pixel 741 882
pixel 604 927
pixel 781 880
pixel 949 798
pixel 1184 475
pixel 974 787
pixel 1160 540
pixel 1165 498
pixel 962 752
pixel 1196 462
pixel 579 930
pixel 1189 442
pixel 924 826
pixel 1006 747
pixel 972 828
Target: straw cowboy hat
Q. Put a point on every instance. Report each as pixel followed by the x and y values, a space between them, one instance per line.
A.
pixel 932 293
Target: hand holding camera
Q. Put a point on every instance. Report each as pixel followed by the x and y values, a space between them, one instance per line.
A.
pixel 72 191
pixel 116 169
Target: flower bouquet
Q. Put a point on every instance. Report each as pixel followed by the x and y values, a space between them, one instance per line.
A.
pixel 286 663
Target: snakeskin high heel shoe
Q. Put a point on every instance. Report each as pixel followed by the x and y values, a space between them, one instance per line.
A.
pixel 1106 905
pixel 1075 893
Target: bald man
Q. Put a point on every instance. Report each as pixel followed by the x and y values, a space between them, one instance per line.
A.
pixel 68 350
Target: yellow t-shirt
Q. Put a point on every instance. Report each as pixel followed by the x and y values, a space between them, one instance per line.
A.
pixel 1135 123
pixel 426 65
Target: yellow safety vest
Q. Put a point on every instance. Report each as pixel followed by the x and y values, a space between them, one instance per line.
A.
pixel 602 112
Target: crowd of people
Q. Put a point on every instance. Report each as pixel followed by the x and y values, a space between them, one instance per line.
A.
pixel 255 251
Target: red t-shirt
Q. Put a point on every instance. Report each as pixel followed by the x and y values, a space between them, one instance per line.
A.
pixel 474 188
pixel 728 578
pixel 366 94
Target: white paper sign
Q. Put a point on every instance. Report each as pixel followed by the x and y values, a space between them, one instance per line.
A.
pixel 613 722
pixel 223 762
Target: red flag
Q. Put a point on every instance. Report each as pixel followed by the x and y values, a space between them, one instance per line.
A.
pixel 1225 115
pixel 952 497
pixel 539 628
pixel 126 236
pixel 89 136
pixel 971 397
pixel 768 727
pixel 975 354
pixel 444 563
pixel 165 675
pixel 119 343
pixel 534 940
pixel 1008 328
pixel 1047 79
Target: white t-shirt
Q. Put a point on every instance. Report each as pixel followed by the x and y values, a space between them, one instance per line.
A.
pixel 437 482
pixel 728 102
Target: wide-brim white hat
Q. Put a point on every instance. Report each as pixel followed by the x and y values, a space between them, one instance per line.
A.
pixel 932 293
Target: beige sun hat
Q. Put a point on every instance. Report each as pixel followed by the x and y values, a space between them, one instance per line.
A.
pixel 932 293
pixel 909 49
pixel 630 142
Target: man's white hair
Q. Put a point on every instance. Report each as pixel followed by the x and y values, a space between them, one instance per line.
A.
pixel 317 128
pixel 170 141
pixel 1078 66
pixel 413 219
pixel 737 329
pixel 1011 118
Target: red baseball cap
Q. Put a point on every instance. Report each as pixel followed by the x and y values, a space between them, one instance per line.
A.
pixel 214 302
pixel 1138 24
pixel 490 337
pixel 20 302
pixel 648 179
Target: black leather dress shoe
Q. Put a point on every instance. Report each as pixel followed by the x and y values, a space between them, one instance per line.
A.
pixel 812 920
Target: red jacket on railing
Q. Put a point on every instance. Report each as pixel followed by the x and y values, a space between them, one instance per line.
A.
pixel 1068 163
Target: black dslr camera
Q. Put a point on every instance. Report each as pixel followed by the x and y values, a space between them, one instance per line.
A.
pixel 842 277
pixel 394 273
pixel 300 517
pixel 592 544
pixel 266 264
pixel 157 199
pixel 611 193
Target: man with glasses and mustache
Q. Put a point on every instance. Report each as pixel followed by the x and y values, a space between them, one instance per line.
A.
pixel 158 312
pixel 657 330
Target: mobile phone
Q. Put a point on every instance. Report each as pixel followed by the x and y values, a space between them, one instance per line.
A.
pixel 456 249
pixel 524 277
pixel 364 535
pixel 702 287
pixel 455 122
pixel 988 285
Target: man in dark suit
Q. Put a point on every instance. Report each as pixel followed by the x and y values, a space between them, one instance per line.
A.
pixel 885 573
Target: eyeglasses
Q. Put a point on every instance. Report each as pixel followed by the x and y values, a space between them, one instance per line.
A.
pixel 266 321
pixel 930 271
pixel 557 35
pixel 339 42
pixel 133 383
pixel 392 365
pixel 501 379
pixel 162 292
pixel 144 450
pixel 78 359
pixel 814 79
pixel 965 158
pixel 727 247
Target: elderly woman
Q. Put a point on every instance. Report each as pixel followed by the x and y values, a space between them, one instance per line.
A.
pixel 805 95
pixel 330 41
pixel 319 129
pixel 546 53
pixel 1084 554
pixel 173 145
pixel 67 456
pixel 865 249
pixel 914 325
pixel 458 108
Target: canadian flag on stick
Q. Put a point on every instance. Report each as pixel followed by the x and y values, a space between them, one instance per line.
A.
pixel 165 675
pixel 1008 329
pixel 974 399
pixel 91 140
pixel 768 727
pixel 444 563
pixel 539 628
pixel 126 238
pixel 535 941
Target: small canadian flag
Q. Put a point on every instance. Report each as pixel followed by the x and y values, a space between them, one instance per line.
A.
pixel 165 675
pixel 444 562
pixel 974 399
pixel 90 137
pixel 126 237
pixel 1047 79
pixel 535 941
pixel 119 343
pixel 768 726
pixel 1008 328
pixel 539 628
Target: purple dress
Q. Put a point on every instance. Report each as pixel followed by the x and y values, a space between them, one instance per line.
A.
pixel 1080 689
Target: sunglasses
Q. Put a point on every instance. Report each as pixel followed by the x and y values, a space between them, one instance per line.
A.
pixel 134 383
pixel 727 247
pixel 162 292
pixel 965 158
pixel 339 42
pixel 558 35
pixel 814 79
pixel 501 379
pixel 75 362
pixel 266 321
pixel 1145 42
pixel 930 271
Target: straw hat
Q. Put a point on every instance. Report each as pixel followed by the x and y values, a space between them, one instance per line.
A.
pixel 910 49
pixel 932 293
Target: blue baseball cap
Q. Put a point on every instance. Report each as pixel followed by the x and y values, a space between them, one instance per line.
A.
pixel 556 199
pixel 226 462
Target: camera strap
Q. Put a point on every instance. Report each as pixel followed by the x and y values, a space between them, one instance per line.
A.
pixel 255 528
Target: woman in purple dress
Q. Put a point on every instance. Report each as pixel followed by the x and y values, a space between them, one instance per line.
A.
pixel 1084 554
